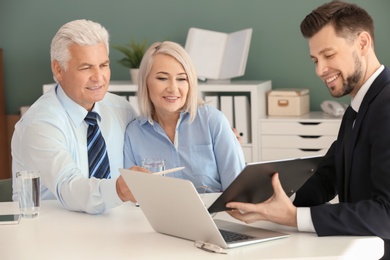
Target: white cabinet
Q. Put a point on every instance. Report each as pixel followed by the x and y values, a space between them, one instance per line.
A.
pixel 292 137
pixel 255 91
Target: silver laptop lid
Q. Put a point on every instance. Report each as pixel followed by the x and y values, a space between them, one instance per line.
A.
pixel 173 207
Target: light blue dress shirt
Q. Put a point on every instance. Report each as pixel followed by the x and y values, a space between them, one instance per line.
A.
pixel 207 148
pixel 51 138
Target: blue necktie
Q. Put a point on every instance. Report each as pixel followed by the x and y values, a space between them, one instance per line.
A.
pixel 99 166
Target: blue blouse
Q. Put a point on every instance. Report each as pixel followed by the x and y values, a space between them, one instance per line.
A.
pixel 207 148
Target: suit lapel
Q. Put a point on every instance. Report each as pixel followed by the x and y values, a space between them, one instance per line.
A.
pixel 372 92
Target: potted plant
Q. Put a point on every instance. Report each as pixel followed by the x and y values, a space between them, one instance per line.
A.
pixel 133 55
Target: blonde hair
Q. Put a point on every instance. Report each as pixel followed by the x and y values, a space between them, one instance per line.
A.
pixel 176 51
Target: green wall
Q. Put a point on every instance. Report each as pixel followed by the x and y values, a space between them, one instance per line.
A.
pixel 278 52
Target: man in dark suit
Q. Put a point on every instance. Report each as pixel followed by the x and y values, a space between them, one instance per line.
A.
pixel 357 165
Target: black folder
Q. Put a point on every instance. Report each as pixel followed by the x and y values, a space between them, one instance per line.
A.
pixel 253 184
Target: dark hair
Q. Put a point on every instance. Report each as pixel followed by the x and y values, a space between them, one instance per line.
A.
pixel 347 19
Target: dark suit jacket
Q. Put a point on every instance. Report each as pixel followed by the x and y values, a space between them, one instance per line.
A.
pixel 365 184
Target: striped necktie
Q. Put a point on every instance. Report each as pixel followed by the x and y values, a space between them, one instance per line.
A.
pixel 99 166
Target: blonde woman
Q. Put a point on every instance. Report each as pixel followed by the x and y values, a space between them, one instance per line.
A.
pixel 175 124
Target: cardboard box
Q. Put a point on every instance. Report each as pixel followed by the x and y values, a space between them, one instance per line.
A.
pixel 288 102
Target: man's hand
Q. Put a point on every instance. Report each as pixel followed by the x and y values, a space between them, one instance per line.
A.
pixel 123 190
pixel 278 209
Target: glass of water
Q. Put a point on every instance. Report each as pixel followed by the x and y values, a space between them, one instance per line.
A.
pixel 154 164
pixel 29 192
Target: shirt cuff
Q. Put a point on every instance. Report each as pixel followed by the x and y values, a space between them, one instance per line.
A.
pixel 305 223
pixel 109 194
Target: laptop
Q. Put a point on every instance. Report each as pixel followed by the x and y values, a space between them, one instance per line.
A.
pixel 253 184
pixel 173 207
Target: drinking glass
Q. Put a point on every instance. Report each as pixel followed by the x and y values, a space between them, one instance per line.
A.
pixel 29 192
pixel 154 164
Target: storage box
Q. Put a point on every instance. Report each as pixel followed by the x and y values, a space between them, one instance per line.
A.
pixel 288 102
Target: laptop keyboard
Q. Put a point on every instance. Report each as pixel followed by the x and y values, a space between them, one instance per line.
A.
pixel 233 237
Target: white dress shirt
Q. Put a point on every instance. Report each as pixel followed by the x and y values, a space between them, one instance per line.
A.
pixel 51 138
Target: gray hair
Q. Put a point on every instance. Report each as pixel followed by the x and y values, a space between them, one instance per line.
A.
pixel 176 51
pixel 81 32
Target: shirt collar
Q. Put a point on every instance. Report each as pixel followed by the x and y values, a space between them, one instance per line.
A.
pixel 144 120
pixel 76 112
pixel 358 99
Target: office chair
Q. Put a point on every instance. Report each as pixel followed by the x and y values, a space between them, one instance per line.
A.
pixel 6 190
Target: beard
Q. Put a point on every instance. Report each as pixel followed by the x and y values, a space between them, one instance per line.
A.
pixel 350 83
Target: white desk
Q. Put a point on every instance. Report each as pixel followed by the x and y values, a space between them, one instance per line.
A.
pixel 124 233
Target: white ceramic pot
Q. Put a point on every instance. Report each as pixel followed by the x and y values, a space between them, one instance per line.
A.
pixel 134 76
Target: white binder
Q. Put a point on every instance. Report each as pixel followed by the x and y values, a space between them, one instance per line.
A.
pixel 227 108
pixel 218 55
pixel 212 101
pixel 242 118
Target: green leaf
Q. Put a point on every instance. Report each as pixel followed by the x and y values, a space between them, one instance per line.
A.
pixel 133 53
